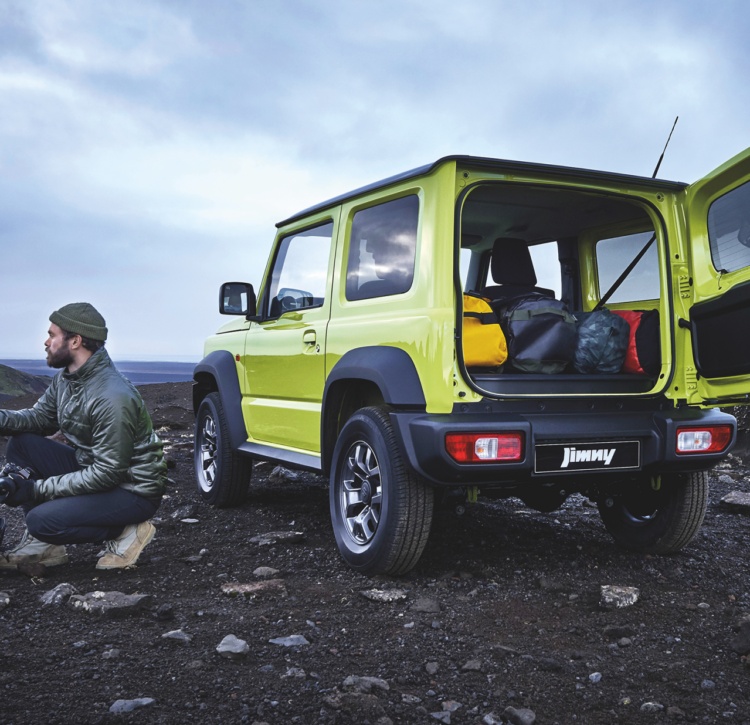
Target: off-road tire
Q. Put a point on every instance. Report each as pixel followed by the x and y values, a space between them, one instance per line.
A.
pixel 223 476
pixel 659 520
pixel 381 511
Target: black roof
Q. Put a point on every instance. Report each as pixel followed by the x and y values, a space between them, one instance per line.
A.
pixel 494 165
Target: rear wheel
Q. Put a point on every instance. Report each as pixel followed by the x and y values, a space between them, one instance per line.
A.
pixel 659 515
pixel 223 476
pixel 381 510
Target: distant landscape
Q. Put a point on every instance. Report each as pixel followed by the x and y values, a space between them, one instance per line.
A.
pixel 139 373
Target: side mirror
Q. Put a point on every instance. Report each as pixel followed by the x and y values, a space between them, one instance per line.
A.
pixel 237 298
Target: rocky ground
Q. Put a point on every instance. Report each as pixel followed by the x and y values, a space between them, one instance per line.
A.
pixel 502 621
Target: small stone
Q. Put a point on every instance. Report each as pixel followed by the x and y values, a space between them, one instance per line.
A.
pixel 189 521
pixel 652 707
pixel 277 537
pixel 293 640
pixel 365 684
pixel 294 672
pixel 384 595
pixel 442 716
pixel 177 635
pixel 109 604
pixel 253 589
pixel 283 475
pixel 450 705
pixel 624 642
pixel 472 666
pixel 675 712
pixel 595 677
pixel 738 501
pixel 233 648
pixel 618 597
pixel 120 707
pixel 165 613
pixel 59 595
pixel 4 600
pixel 708 685
pixel 265 572
pixel 519 716
pixel 431 668
pixel 111 654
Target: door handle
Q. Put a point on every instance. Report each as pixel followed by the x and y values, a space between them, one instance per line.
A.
pixel 309 337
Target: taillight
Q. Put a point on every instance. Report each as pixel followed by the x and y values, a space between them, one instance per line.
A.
pixel 709 439
pixel 484 447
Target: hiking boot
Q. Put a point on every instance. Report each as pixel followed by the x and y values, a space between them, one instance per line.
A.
pixel 33 551
pixel 127 547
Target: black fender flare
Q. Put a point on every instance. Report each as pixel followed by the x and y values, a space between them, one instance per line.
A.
pixel 218 371
pixel 390 368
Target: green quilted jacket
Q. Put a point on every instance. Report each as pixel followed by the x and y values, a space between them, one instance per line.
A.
pixel 103 416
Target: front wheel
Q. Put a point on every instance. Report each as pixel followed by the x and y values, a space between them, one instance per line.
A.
pixel 381 510
pixel 223 476
pixel 657 516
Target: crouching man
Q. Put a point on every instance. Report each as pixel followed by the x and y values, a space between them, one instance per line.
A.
pixel 104 488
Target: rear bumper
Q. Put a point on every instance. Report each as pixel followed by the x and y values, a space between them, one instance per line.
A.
pixel 423 440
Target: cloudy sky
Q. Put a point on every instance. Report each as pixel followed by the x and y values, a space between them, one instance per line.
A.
pixel 147 147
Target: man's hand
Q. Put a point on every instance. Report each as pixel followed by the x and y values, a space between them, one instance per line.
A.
pixel 15 490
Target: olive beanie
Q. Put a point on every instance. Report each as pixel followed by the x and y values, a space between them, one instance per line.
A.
pixel 82 319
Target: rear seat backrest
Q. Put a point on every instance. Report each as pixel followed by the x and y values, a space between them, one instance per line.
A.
pixel 512 270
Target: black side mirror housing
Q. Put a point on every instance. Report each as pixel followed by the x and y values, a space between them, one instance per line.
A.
pixel 237 298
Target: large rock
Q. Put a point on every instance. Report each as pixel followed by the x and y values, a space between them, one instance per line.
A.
pixel 109 604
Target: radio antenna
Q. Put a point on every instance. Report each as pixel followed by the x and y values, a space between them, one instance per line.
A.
pixel 661 158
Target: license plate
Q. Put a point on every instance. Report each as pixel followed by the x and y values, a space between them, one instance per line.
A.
pixel 598 456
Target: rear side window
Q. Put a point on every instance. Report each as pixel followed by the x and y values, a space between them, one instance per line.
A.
pixel 382 249
pixel 298 279
pixel 729 229
pixel 613 255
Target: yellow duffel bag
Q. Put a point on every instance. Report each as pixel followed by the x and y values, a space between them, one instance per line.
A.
pixel 483 339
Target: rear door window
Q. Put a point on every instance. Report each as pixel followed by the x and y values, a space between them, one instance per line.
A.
pixel 614 254
pixel 729 230
pixel 382 249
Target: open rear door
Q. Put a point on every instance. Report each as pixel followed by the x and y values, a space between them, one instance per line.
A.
pixel 719 229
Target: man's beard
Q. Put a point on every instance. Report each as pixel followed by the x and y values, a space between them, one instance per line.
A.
pixel 60 359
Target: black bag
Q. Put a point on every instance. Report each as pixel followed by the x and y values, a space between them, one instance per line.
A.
pixel 643 356
pixel 602 342
pixel 540 332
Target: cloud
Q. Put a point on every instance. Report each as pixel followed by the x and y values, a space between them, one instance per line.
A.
pixel 148 148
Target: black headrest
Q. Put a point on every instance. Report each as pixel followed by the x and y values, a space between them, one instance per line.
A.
pixel 511 262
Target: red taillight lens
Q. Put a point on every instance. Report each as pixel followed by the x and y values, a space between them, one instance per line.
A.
pixel 484 447
pixel 709 439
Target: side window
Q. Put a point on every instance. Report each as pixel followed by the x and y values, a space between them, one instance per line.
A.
pixel 298 278
pixel 382 249
pixel 729 229
pixel 614 254
pixel 547 266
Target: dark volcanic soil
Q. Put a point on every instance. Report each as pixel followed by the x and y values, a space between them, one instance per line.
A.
pixel 502 611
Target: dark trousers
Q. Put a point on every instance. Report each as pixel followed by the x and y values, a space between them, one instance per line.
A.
pixel 84 519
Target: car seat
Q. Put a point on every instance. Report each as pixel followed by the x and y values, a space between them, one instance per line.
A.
pixel 512 270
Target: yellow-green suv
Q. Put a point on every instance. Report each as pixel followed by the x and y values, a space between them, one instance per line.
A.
pixel 353 363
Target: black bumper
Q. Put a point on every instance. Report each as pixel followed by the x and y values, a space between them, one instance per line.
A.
pixel 423 441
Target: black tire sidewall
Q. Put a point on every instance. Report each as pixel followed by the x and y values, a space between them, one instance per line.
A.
pixel 208 409
pixel 655 535
pixel 373 556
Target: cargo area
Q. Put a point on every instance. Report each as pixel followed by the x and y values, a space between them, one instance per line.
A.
pixel 563 251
